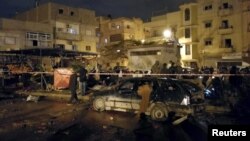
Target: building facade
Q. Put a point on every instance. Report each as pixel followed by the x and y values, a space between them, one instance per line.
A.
pixel 18 35
pixel 73 28
pixel 211 32
pixel 112 31
pixel 115 36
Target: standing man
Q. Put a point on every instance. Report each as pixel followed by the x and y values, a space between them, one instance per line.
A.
pixel 83 79
pixel 144 90
pixel 73 87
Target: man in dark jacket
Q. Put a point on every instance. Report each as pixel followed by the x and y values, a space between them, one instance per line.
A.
pixel 73 87
pixel 83 79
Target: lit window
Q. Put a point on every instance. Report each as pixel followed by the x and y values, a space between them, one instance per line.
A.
pixel 118 26
pixel 106 41
pixel 71 30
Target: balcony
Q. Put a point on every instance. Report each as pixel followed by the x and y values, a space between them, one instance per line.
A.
pixel 67 36
pixel 225 30
pixel 225 11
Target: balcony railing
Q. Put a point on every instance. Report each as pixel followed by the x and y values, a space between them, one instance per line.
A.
pixel 225 30
pixel 224 11
pixel 68 36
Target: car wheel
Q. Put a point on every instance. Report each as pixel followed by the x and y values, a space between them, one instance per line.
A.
pixel 99 104
pixel 158 112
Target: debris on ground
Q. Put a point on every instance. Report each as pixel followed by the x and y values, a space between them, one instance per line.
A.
pixel 33 98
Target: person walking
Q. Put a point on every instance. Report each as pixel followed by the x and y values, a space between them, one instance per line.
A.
pixel 83 80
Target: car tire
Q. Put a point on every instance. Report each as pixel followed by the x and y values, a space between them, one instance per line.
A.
pixel 158 112
pixel 99 104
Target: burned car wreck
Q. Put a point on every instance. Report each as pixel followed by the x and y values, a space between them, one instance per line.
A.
pixel 167 95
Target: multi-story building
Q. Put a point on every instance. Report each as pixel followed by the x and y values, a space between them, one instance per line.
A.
pixel 181 24
pixel 73 28
pixel 113 31
pixel 223 31
pixel 211 32
pixel 17 35
pixel 117 32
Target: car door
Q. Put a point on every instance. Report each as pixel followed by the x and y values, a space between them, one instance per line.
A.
pixel 122 99
pixel 173 95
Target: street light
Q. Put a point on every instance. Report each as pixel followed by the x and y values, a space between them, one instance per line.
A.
pixel 167 33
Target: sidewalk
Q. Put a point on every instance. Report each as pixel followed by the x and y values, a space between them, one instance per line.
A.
pixel 54 95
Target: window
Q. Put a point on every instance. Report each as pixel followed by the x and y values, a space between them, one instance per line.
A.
pixel 128 26
pixel 224 24
pixel 228 43
pixel 113 25
pixel 60 11
pixel 105 40
pixel 44 37
pixel 208 24
pixel 225 5
pixel 88 48
pixel 208 7
pixel 115 37
pixel 72 13
pixel 187 14
pixel 208 42
pixel 35 43
pixel 187 50
pixel 187 33
pixel 32 36
pixel 10 40
pixel 74 47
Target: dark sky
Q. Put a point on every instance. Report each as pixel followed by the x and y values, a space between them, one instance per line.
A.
pixel 116 8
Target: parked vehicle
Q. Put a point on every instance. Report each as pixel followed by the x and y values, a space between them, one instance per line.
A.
pixel 167 95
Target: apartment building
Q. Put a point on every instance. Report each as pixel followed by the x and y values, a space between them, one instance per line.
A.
pixel 181 25
pixel 18 35
pixel 112 31
pixel 223 31
pixel 115 37
pixel 73 28
pixel 211 32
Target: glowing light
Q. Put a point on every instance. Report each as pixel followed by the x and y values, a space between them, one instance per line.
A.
pixel 167 33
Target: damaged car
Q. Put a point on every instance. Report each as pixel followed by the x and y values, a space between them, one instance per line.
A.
pixel 167 95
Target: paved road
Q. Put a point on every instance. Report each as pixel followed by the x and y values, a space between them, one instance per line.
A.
pixel 56 121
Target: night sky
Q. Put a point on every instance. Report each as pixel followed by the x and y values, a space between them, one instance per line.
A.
pixel 116 8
